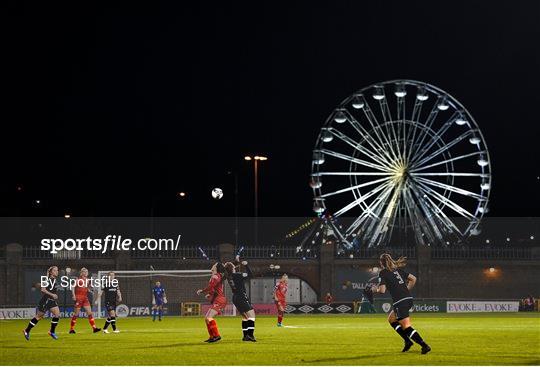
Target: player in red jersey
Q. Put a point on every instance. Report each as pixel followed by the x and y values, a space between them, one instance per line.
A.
pixel 80 296
pixel 280 294
pixel 214 293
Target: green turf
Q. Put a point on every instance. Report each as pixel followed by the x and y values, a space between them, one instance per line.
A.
pixel 456 339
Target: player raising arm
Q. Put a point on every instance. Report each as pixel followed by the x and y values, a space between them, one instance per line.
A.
pixel 280 296
pixel 47 303
pixel 399 283
pixel 159 298
pixel 240 298
pixel 214 293
pixel 80 296
pixel 112 295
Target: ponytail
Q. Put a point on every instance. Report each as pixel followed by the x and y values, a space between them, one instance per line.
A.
pixel 390 264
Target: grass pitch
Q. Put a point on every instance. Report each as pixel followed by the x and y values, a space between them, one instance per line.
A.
pixel 456 339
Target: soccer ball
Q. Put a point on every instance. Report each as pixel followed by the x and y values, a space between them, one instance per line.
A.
pixel 217 193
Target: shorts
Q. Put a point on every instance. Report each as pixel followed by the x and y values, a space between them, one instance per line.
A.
pixel 219 304
pixel 159 302
pixel 82 302
pixel 402 308
pixel 45 304
pixel 242 303
pixel 282 304
pixel 110 306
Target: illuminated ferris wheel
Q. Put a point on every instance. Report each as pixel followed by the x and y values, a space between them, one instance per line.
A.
pixel 400 162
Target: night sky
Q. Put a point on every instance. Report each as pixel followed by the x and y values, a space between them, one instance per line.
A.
pixel 110 111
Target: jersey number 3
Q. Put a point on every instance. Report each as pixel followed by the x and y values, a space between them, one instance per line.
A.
pixel 400 279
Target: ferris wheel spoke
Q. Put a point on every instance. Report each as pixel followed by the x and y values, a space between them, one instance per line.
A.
pixel 457 190
pixel 419 140
pixel 402 127
pixel 376 144
pixel 368 212
pixel 388 213
pixel 356 145
pixel 354 174
pixel 373 212
pixel 444 218
pixel 432 212
pixel 374 124
pixel 432 222
pixel 447 202
pixel 455 174
pixel 354 160
pixel 359 200
pixel 415 218
pixel 448 161
pixel 417 110
pixel 434 138
pixel 347 189
pixel 442 149
pixel 390 131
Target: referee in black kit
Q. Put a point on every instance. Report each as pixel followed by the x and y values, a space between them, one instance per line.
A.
pixel 399 284
pixel 240 298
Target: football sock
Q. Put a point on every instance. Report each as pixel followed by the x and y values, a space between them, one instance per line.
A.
pixel 209 329
pixel 250 327
pixel 280 317
pixel 107 322
pixel 92 321
pixel 415 336
pixel 214 328
pixel 113 322
pixel 397 327
pixel 54 322
pixel 73 322
pixel 244 327
pixel 154 313
pixel 31 324
pixel 160 313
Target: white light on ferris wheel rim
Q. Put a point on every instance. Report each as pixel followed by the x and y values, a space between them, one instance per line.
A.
pixel 318 157
pixel 327 136
pixel 317 207
pixel 379 93
pixel 443 104
pixel 340 117
pixel 358 101
pixel 461 121
pixel 482 162
pixel 422 94
pixel 400 91
pixel 474 140
pixel 315 182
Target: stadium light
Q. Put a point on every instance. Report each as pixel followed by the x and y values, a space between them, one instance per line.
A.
pixel 491 270
pixel 182 194
pixel 256 160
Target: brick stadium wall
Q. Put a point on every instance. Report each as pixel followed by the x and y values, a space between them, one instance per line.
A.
pixel 467 279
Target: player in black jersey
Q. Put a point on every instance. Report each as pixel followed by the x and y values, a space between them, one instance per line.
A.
pixel 47 303
pixel 399 283
pixel 240 297
pixel 112 295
